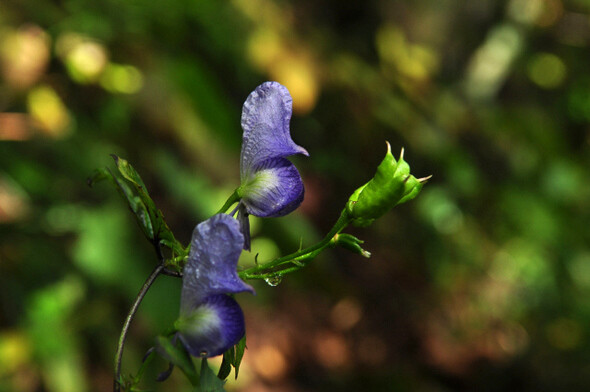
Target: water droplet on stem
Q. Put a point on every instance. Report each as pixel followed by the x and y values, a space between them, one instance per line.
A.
pixel 273 280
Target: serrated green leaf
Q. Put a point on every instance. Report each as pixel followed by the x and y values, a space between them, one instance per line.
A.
pixel 178 356
pixel 209 381
pixel 137 206
pixel 129 172
pixel 133 190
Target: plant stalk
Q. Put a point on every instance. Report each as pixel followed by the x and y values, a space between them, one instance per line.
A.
pixel 119 354
pixel 259 271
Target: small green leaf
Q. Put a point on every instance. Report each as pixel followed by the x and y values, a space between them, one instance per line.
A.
pixel 137 206
pixel 129 172
pixel 168 240
pixel 178 356
pixel 240 348
pixel 133 190
pixel 209 381
pixel 99 175
pixel 226 363
pixel 350 242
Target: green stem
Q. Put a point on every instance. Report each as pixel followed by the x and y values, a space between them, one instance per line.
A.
pixel 119 355
pixel 141 370
pixel 261 271
pixel 234 198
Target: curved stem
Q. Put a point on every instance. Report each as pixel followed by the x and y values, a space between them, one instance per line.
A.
pixel 119 355
pixel 259 271
pixel 168 272
pixel 229 202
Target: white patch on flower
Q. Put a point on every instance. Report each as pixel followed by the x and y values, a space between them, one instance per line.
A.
pixel 260 183
pixel 201 321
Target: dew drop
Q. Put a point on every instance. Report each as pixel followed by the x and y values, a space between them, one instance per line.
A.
pixel 273 280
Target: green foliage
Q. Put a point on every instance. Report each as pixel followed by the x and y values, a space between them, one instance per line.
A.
pixel 177 355
pixel 351 243
pixel 232 358
pixel 209 382
pixel 148 216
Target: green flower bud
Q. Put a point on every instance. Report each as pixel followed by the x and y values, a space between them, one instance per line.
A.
pixel 351 243
pixel 392 185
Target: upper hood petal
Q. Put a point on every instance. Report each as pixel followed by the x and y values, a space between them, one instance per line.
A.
pixel 211 267
pixel 265 121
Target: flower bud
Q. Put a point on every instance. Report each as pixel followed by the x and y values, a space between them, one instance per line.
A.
pixel 392 185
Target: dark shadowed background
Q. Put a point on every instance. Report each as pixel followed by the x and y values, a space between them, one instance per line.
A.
pixel 481 283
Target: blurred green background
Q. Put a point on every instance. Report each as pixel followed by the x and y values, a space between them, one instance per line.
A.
pixel 481 283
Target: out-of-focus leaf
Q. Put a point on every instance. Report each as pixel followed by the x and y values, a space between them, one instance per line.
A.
pixel 209 382
pixel 159 230
pixel 133 190
pixel 99 175
pixel 178 356
pixel 138 207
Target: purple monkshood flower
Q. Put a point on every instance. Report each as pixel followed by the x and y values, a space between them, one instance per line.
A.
pixel 211 321
pixel 270 184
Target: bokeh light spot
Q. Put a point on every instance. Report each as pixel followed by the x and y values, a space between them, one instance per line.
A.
pixel 14 126
pixel 332 350
pixel 346 313
pixel 14 202
pixel 264 47
pixel 546 70
pixel 124 79
pixel 24 54
pixel 412 60
pixel 48 111
pixel 15 350
pixel 522 265
pixel 85 59
pixel 297 74
pixel 269 362
pixel 491 62
pixel 441 211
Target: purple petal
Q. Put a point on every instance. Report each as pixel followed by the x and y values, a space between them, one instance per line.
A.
pixel 273 189
pixel 212 327
pixel 265 121
pixel 211 267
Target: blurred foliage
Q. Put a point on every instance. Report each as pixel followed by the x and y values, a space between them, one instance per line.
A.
pixel 481 283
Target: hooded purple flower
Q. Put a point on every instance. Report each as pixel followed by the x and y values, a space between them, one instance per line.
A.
pixel 270 184
pixel 211 321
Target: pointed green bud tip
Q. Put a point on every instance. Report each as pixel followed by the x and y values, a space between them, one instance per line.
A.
pixel 391 185
pixel 351 243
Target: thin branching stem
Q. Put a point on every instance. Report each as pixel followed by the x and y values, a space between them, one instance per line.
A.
pixel 119 355
pixel 262 270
